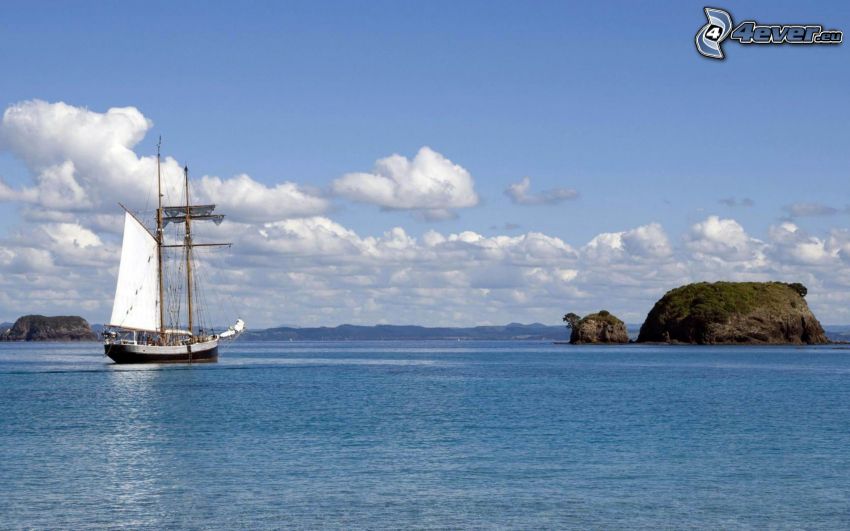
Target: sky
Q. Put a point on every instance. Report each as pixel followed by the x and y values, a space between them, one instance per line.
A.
pixel 435 163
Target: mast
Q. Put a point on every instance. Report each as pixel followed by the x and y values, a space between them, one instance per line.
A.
pixel 185 213
pixel 188 244
pixel 159 233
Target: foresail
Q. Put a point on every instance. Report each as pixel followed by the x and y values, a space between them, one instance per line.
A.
pixel 137 293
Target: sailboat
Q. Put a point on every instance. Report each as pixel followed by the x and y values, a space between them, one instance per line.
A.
pixel 138 330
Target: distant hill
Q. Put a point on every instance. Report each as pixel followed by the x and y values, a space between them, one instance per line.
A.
pixel 535 331
pixel 837 332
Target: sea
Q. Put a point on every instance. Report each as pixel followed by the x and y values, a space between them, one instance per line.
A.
pixel 427 435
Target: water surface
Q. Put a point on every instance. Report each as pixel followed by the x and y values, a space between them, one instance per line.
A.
pixel 427 435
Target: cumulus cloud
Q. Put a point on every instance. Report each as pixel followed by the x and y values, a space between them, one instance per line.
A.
pixel 429 183
pixel 321 236
pixel 25 261
pixel 605 246
pixel 46 134
pixel 794 245
pixel 316 271
pixel 73 234
pixel 82 160
pixel 520 195
pixel 248 200
pixel 294 264
pixel 723 239
pixel 79 164
pixel 647 241
pixel 433 278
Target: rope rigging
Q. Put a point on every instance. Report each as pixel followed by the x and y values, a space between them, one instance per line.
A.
pixel 184 313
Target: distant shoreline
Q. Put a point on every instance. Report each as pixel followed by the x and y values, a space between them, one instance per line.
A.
pixel 838 334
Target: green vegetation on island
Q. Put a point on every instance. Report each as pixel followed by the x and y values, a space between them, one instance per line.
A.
pixel 599 327
pixel 733 313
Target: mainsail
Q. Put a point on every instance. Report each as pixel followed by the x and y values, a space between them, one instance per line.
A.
pixel 137 294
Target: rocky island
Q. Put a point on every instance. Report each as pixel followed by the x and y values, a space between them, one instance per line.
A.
pixel 737 313
pixel 599 327
pixel 41 328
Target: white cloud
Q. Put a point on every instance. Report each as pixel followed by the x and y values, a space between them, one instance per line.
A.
pixel 46 134
pixel 792 245
pixel 648 241
pixel 406 279
pixel 248 200
pixel 724 239
pixel 605 246
pixel 88 153
pixel 315 271
pixel 839 242
pixel 82 161
pixel 306 237
pixel 519 194
pixel 24 260
pixel 292 264
pixel 429 183
pixel 72 234
pixel 320 236
pixel 644 242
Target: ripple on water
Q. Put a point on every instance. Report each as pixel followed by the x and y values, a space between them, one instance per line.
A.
pixel 436 434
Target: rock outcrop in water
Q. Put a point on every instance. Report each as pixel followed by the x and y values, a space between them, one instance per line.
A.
pixel 733 313
pixel 41 328
pixel 600 327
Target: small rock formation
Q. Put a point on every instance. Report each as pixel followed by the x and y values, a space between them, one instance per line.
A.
pixel 733 313
pixel 600 327
pixel 41 328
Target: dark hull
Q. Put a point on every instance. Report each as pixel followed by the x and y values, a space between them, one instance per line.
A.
pixel 197 353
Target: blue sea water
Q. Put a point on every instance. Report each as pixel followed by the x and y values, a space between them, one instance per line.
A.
pixel 427 435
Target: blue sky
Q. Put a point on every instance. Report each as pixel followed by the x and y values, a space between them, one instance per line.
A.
pixel 608 99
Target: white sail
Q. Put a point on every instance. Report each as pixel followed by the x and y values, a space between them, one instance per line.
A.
pixel 137 293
